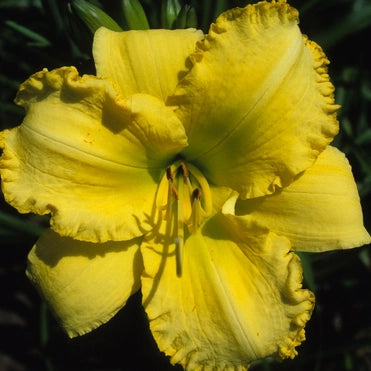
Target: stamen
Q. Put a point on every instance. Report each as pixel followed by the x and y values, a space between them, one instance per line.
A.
pixel 184 170
pixel 183 199
pixel 175 192
pixel 179 237
pixel 196 209
pixel 169 202
pixel 169 174
pixel 206 194
pixel 179 243
pixel 196 194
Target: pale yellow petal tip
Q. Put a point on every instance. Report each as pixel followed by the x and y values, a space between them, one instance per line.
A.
pixel 2 137
pixel 357 238
pixel 289 350
pixel 71 327
pixel 44 82
pixel 84 284
pixel 73 333
pixel 301 298
pixel 325 87
pixel 73 323
pixel 365 240
pixel 264 13
pixel 7 160
pixel 297 336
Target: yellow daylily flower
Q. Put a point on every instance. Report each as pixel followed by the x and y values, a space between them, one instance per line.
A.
pixel 191 167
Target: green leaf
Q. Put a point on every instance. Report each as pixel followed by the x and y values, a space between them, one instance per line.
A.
pixel 134 15
pixel 12 222
pixel 169 13
pixel 13 3
pixel 308 273
pixel 364 138
pixel 354 21
pixel 346 125
pixel 93 16
pixel 365 257
pixel 187 17
pixel 34 37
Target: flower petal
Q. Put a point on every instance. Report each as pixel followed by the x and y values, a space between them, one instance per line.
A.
pixel 319 211
pixel 239 298
pixel 148 62
pixel 87 156
pixel 85 284
pixel 257 104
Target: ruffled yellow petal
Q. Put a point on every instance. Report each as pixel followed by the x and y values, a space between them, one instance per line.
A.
pixel 257 104
pixel 239 298
pixel 87 156
pixel 148 62
pixel 319 211
pixel 85 284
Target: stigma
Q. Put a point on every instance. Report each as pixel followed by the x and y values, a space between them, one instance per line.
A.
pixel 183 202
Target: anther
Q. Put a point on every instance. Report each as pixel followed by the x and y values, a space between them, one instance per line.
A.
pixel 175 192
pixel 184 170
pixel 169 174
pixel 196 194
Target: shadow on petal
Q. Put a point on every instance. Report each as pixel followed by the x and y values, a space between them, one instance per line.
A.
pixel 84 283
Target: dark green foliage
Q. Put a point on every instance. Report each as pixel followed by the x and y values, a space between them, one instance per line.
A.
pixel 48 33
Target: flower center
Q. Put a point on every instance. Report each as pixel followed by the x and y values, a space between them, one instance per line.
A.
pixel 183 201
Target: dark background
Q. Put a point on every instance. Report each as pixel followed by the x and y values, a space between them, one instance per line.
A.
pixel 37 34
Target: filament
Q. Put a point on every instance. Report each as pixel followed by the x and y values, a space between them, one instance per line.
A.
pixel 183 200
pixel 179 238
